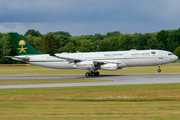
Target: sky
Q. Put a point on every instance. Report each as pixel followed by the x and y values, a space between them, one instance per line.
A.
pixel 87 17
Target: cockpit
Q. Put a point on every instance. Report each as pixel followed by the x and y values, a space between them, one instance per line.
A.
pixel 170 54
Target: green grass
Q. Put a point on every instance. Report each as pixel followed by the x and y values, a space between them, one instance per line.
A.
pixel 83 103
pixel 142 92
pixel 80 110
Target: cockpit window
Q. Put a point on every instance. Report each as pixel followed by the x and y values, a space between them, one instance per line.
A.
pixel 153 52
pixel 170 54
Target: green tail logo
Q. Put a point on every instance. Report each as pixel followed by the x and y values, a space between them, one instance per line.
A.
pixel 22 46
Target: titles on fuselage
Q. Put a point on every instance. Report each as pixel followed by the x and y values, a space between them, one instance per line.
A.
pixel 131 54
pixel 113 54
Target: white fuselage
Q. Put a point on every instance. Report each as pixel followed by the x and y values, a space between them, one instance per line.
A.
pixel 125 58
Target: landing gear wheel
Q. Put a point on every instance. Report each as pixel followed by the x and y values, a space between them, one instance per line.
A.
pixel 87 74
pixel 93 74
pixel 97 73
pixel 159 70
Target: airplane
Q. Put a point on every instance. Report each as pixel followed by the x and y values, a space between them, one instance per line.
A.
pixel 91 61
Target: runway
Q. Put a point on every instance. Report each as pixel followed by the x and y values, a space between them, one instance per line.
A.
pixel 123 79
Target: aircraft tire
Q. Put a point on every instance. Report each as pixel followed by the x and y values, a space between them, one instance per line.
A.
pixel 97 73
pixel 159 70
pixel 93 74
pixel 87 74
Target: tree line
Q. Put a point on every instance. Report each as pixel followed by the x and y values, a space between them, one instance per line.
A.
pixel 58 42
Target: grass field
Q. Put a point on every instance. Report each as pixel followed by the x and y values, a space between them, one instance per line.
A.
pixel 158 101
pixel 83 110
pixel 125 102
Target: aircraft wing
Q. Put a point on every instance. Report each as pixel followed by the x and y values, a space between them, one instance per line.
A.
pixel 25 59
pixel 66 58
pixel 71 60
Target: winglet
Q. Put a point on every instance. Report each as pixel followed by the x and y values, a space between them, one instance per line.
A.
pixel 51 54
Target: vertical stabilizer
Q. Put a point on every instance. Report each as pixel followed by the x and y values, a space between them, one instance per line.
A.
pixel 22 46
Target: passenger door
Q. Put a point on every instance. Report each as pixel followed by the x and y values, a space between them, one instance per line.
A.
pixel 43 58
pixel 160 55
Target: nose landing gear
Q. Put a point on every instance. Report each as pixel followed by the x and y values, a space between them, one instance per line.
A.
pixel 159 70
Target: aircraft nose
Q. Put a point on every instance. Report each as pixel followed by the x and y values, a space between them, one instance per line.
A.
pixel 175 57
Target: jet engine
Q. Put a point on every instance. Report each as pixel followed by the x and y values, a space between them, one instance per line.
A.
pixel 109 66
pixel 84 65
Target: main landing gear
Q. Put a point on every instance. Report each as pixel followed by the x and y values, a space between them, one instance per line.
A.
pixel 92 73
pixel 159 70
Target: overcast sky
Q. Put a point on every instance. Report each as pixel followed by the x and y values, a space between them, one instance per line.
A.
pixel 85 17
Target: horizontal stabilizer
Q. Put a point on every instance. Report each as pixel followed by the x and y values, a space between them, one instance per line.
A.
pixel 24 59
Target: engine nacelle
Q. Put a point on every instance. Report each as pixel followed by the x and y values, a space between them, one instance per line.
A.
pixel 84 65
pixel 109 66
